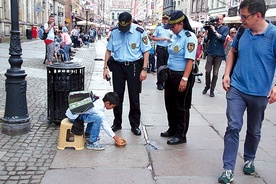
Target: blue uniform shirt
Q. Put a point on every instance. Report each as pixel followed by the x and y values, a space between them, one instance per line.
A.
pixel 160 32
pixel 128 46
pixel 255 68
pixel 182 47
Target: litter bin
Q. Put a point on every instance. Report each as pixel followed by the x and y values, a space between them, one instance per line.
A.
pixel 29 34
pixel 61 80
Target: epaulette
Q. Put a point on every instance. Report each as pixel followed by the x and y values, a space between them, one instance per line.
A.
pixel 114 28
pixel 188 34
pixel 141 30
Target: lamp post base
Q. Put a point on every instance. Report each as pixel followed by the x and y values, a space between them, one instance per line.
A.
pixel 16 127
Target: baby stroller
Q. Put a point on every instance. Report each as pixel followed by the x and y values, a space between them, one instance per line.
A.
pixel 85 40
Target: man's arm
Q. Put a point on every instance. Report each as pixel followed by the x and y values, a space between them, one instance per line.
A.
pixel 228 68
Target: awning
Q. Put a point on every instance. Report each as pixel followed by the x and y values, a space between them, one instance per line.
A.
pixel 83 23
pixel 229 20
pixel 195 24
pixel 270 13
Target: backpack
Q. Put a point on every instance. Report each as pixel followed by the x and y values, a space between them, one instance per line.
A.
pixel 41 33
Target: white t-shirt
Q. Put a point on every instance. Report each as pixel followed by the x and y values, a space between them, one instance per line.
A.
pixel 51 33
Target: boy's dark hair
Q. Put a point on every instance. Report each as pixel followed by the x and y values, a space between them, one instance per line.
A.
pixel 254 6
pixel 112 97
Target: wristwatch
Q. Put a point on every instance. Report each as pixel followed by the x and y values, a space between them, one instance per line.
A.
pixel 145 68
pixel 185 79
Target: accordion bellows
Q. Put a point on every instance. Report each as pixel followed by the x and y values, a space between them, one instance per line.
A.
pixel 80 101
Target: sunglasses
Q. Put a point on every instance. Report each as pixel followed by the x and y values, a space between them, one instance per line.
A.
pixel 233 32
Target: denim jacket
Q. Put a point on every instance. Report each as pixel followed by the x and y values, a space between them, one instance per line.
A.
pixel 215 43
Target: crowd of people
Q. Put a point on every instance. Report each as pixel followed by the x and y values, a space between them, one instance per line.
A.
pixel 59 41
pixel 131 52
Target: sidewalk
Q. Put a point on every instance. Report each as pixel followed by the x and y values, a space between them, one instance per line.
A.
pixel 146 159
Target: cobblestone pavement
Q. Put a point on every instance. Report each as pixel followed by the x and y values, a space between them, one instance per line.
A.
pixel 26 158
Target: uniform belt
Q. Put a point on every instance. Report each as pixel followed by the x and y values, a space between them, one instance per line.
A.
pixel 172 72
pixel 162 47
pixel 127 63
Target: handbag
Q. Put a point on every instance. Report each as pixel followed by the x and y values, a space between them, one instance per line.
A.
pixel 163 73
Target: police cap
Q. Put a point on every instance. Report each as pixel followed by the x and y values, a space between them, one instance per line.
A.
pixel 124 21
pixel 175 18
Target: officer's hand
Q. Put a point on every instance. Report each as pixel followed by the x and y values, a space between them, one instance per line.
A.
pixel 143 75
pixel 105 73
pixel 272 95
pixel 182 86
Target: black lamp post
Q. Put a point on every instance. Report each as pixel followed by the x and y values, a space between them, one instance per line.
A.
pixel 16 119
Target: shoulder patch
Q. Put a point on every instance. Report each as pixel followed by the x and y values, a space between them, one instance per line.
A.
pixel 188 34
pixel 141 30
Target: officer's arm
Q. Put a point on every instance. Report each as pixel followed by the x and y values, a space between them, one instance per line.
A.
pixel 106 57
pixel 146 58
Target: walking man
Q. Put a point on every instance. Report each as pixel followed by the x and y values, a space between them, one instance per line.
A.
pixel 215 38
pixel 249 87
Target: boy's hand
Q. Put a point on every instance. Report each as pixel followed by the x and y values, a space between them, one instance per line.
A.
pixel 120 142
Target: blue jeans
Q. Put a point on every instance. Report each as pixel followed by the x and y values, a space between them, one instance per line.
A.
pixel 94 125
pixel 237 103
pixel 66 52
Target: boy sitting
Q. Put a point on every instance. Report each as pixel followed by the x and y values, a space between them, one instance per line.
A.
pixel 95 119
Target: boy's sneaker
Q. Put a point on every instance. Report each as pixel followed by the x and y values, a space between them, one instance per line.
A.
pixel 227 177
pixel 249 167
pixel 94 146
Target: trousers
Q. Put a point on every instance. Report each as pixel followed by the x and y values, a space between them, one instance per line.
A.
pixel 237 103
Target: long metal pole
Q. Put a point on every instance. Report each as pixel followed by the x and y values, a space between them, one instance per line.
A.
pixel 16 119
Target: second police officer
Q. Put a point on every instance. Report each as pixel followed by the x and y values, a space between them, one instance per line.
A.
pixel 162 37
pixel 130 45
pixel 178 87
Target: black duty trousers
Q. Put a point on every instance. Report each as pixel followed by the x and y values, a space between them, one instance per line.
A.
pixel 127 73
pixel 178 104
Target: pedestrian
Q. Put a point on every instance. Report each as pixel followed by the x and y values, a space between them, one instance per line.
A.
pixel 49 41
pixel 151 65
pixel 65 28
pixel 66 44
pixel 215 37
pixel 178 87
pixel 130 45
pixel 95 119
pixel 199 53
pixel 229 40
pixel 249 86
pixel 162 37
pixel 75 34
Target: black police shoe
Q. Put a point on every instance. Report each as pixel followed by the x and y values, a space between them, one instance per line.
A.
pixel 160 87
pixel 115 127
pixel 136 131
pixel 166 134
pixel 176 140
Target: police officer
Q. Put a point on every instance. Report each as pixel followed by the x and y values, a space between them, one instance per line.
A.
pixel 178 87
pixel 162 37
pixel 130 45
